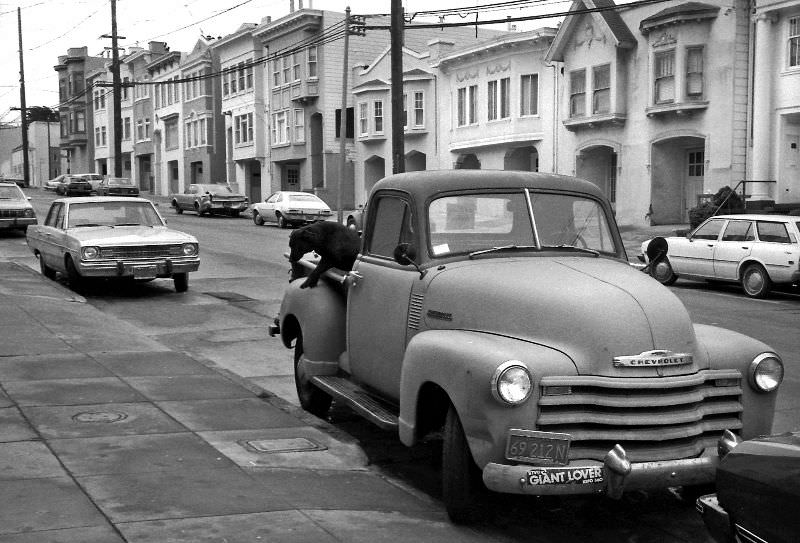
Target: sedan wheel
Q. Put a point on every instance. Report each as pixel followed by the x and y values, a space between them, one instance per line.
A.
pixel 755 281
pixel 662 272
pixel 178 208
pixel 257 218
pixel 46 270
pixel 282 222
pixel 74 277
pixel 181 281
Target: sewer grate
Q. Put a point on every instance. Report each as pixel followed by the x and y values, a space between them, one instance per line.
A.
pixel 287 445
pixel 99 416
pixel 231 296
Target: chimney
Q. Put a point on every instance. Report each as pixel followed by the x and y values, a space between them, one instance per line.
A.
pixel 439 48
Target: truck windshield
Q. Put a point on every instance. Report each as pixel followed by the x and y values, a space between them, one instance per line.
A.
pixel 471 223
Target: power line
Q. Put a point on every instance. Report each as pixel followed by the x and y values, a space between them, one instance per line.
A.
pixel 70 30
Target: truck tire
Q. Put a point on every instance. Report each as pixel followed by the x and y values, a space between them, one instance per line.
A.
pixel 462 485
pixel 311 398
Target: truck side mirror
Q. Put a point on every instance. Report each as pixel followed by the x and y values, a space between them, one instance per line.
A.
pixel 405 254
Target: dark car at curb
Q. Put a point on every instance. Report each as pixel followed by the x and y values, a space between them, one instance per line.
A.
pixel 758 490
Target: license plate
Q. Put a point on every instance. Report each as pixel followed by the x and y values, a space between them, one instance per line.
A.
pixel 145 272
pixel 529 445
pixel 226 204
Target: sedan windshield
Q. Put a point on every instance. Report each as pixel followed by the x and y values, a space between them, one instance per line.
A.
pixel 11 193
pixel 502 222
pixel 112 214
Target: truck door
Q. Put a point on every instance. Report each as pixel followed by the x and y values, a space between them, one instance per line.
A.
pixel 377 306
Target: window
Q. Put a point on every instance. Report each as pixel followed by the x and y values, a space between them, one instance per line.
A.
pixel 64 125
pixel 171 134
pixel 103 140
pixel 393 225
pixel 472 98
pixel 363 120
pixel 299 125
pixel 125 81
pixel 419 109
pixel 100 136
pixel 773 232
pixel 462 106
pixel 280 128
pixel 248 70
pixel 694 72
pixel 349 123
pixel 296 66
pixel 203 127
pixel 62 89
pixel 147 128
pixel 505 98
pixel 377 113
pixel 312 61
pixel 243 128
pixel 709 230
pixel 601 98
pixel 242 76
pixel 577 93
pixel 233 81
pixel 664 74
pixel 696 163
pixel 739 231
pixel 492 100
pixel 405 111
pixel 529 94
pixel 794 42
pixel 80 121
pixel 276 72
pixel 139 130
pixel 287 70
pixel 126 128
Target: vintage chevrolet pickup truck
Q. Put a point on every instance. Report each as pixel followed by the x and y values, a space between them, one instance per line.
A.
pixel 498 309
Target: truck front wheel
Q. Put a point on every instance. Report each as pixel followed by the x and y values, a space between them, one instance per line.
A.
pixel 461 478
pixel 311 398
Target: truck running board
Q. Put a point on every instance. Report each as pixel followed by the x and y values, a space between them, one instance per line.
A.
pixel 357 398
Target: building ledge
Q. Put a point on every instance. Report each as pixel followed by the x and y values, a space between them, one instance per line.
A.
pixel 595 121
pixel 369 138
pixel 677 108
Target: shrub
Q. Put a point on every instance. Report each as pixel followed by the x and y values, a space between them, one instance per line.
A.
pixel 733 204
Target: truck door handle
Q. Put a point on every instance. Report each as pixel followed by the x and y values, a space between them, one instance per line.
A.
pixel 352 278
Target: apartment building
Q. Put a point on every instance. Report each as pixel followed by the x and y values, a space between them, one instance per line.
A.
pixel 244 128
pixel 775 143
pixel 168 157
pixel 645 113
pixel 495 99
pixel 203 136
pixel 141 112
pixel 77 124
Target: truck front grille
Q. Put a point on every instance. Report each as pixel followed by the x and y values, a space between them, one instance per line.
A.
pixel 654 419
pixel 142 251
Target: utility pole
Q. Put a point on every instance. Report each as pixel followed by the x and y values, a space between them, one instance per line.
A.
pixel 117 93
pixel 22 107
pixel 343 119
pixel 398 128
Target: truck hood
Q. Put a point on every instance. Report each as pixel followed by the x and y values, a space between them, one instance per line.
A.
pixel 129 235
pixel 591 309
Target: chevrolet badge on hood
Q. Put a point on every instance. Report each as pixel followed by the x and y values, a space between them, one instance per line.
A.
pixel 653 358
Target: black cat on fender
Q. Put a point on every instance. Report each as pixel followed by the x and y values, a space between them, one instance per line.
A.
pixel 336 244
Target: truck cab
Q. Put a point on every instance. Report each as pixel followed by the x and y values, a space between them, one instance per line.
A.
pixel 498 309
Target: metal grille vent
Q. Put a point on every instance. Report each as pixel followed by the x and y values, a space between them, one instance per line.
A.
pixel 415 311
pixel 142 251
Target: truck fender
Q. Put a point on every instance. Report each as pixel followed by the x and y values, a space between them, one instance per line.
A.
pixel 728 349
pixel 320 314
pixel 459 365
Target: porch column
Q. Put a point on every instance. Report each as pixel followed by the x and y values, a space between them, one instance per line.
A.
pixel 762 108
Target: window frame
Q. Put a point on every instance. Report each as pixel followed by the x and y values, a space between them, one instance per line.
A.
pixel 299 128
pixel 659 78
pixel 577 96
pixel 529 100
pixel 419 108
pixel 378 116
pixel 598 92
pixel 793 42
pixel 699 73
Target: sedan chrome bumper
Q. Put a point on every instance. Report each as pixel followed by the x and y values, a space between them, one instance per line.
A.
pixel 151 267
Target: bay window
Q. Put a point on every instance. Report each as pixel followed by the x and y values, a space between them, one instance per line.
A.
pixel 664 77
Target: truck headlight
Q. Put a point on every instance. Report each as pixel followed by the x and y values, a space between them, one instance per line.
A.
pixel 512 383
pixel 90 253
pixel 189 249
pixel 766 372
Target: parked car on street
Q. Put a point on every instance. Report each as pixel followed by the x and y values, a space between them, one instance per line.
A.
pixel 53 184
pixel 758 491
pixel 290 208
pixel 111 237
pixel 498 311
pixel 16 211
pixel 208 198
pixel 71 185
pixel 117 186
pixel 94 179
pixel 756 251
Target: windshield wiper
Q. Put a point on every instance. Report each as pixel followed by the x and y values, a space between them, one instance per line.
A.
pixel 504 248
pixel 129 224
pixel 82 225
pixel 572 248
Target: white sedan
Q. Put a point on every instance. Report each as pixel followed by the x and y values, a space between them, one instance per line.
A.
pixel 757 251
pixel 288 208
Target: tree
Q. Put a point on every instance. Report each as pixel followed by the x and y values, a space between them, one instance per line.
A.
pixel 41 113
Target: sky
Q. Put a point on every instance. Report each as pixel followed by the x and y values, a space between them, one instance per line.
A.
pixel 50 27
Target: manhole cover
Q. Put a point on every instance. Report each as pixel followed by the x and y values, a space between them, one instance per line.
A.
pixel 231 296
pixel 99 416
pixel 272 446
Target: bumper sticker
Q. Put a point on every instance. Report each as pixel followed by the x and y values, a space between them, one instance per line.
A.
pixel 565 476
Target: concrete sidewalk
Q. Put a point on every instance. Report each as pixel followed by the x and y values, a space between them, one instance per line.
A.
pixel 108 436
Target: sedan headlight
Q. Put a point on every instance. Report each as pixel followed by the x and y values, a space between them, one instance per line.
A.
pixel 189 249
pixel 766 372
pixel 512 383
pixel 28 212
pixel 90 253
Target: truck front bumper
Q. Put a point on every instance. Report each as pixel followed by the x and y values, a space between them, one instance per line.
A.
pixel 613 476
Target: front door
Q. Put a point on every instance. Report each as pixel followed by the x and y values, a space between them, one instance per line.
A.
pixel 377 306
pixel 695 256
pixel 693 182
pixel 292 178
pixel 736 243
